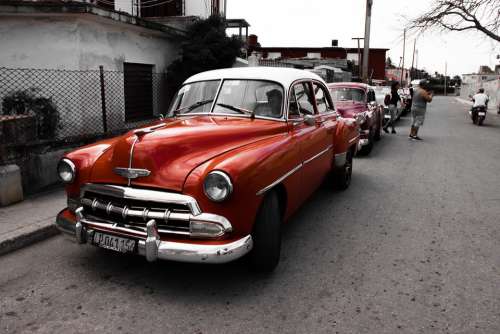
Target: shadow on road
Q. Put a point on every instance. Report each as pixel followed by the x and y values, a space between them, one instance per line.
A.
pixel 189 280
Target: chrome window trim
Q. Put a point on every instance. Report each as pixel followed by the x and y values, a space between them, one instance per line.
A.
pixel 144 195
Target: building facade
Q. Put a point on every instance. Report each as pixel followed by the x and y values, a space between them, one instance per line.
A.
pixel 338 57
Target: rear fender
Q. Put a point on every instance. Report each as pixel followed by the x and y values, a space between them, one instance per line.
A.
pixel 346 139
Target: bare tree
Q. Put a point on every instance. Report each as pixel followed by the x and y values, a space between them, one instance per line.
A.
pixel 461 15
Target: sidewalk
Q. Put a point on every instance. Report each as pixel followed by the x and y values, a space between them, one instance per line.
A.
pixel 30 221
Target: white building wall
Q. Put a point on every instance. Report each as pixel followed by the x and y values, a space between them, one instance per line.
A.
pixel 70 42
pixel 83 43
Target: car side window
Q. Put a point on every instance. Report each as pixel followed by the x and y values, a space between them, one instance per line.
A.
pixel 301 102
pixel 321 101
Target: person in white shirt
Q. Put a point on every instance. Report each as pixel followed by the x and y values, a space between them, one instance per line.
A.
pixel 480 99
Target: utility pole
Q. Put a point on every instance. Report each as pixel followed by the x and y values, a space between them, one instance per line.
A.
pixel 403 65
pixel 359 53
pixel 445 74
pixel 366 50
pixel 413 60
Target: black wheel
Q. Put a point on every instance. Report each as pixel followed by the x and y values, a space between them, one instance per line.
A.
pixel 342 175
pixel 266 235
pixel 480 121
pixel 474 119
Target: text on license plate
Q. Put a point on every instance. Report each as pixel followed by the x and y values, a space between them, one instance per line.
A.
pixel 482 114
pixel 118 244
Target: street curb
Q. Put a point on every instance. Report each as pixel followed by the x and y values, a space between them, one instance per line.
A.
pixel 27 238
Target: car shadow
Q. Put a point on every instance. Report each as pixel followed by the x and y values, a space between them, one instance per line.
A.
pixel 300 234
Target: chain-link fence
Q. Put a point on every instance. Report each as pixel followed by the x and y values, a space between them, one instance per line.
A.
pixel 43 109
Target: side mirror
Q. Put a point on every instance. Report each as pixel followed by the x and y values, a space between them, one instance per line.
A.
pixel 309 120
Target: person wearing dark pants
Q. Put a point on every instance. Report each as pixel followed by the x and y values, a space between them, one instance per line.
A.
pixel 393 107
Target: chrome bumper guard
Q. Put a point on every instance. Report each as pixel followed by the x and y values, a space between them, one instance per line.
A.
pixel 150 245
pixel 362 142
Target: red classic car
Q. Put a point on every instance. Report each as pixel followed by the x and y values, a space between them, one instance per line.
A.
pixel 357 100
pixel 241 150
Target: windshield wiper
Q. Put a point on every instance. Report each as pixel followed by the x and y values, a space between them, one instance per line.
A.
pixel 237 109
pixel 191 107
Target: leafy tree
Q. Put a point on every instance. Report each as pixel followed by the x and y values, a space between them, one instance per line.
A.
pixel 461 15
pixel 205 47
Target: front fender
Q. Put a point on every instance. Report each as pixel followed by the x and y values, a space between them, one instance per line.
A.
pixel 250 168
pixel 84 159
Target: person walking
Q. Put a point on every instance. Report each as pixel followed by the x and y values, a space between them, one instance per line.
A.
pixel 393 107
pixel 421 96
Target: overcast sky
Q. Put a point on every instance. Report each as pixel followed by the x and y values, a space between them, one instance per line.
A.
pixel 316 22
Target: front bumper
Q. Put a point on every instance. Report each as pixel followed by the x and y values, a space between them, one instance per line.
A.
pixel 152 247
pixel 363 138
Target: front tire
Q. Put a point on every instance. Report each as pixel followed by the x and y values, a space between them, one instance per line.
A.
pixel 343 175
pixel 266 235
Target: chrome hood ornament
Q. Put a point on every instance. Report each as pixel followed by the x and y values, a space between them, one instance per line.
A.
pixel 131 173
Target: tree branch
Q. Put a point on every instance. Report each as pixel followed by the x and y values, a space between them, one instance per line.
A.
pixel 452 15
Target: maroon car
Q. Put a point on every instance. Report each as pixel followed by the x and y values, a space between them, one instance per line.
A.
pixel 357 100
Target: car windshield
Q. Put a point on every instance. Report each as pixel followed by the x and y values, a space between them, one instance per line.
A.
pixel 247 97
pixel 347 94
pixel 196 97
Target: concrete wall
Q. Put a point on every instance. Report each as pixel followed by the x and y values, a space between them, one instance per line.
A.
pixel 491 88
pixel 80 42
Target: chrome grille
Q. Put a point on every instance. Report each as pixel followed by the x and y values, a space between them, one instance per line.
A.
pixel 116 208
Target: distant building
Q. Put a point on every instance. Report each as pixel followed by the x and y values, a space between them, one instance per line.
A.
pixel 485 78
pixel 346 59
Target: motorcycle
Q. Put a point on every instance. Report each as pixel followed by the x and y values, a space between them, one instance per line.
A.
pixel 478 115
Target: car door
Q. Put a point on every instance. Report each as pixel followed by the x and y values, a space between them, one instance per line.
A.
pixel 309 128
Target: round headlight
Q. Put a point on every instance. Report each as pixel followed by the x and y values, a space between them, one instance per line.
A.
pixel 66 170
pixel 217 186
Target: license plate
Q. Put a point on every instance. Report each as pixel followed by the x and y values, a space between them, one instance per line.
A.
pixel 122 245
pixel 482 114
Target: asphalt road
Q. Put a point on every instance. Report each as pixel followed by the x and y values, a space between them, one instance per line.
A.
pixel 412 247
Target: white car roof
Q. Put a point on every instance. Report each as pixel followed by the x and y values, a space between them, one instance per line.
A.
pixel 285 76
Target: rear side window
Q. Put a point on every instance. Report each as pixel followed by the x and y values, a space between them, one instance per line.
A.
pixel 321 100
pixel 301 101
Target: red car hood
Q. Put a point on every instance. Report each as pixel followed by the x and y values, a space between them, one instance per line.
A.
pixel 349 109
pixel 174 147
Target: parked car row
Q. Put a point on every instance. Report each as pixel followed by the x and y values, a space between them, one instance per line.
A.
pixel 358 101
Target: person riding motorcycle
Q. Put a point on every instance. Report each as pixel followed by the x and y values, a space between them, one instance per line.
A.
pixel 480 99
pixel 479 107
